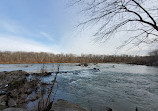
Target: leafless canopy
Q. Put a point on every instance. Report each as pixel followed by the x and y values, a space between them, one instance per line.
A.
pixel 137 17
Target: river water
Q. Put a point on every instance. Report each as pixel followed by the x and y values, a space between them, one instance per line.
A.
pixel 122 87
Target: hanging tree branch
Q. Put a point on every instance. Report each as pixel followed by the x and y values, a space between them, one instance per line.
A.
pixel 115 15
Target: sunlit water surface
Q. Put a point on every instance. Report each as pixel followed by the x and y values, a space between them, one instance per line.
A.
pixel 122 87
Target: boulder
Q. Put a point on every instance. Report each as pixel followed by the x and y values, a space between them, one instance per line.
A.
pixel 108 109
pixel 12 103
pixel 82 64
pixel 3 103
pixel 16 83
pixel 33 97
pixel 29 91
pixel 3 100
pixel 2 107
pixel 96 69
pixel 8 78
pixel 23 96
pixel 85 64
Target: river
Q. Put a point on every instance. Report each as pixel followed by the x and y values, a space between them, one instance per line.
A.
pixel 122 87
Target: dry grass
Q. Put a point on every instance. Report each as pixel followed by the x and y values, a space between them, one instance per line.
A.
pixel 45 104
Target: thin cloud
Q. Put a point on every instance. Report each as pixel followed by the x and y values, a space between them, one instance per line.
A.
pixel 14 43
pixel 47 36
pixel 11 26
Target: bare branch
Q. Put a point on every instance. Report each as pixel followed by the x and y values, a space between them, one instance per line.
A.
pixel 115 15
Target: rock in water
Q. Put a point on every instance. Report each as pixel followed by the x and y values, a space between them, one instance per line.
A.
pixel 108 109
pixel 63 105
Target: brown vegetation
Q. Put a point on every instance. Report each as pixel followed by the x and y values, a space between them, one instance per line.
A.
pixel 42 57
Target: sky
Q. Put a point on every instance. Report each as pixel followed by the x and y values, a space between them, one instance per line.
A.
pixel 50 26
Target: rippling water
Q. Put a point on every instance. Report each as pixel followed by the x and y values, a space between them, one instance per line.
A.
pixel 120 86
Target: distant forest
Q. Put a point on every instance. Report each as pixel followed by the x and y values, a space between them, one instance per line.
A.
pixel 43 57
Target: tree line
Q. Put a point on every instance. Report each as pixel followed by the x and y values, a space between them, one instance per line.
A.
pixel 43 57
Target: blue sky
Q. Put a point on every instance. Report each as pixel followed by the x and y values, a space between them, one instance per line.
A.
pixel 40 22
pixel 49 26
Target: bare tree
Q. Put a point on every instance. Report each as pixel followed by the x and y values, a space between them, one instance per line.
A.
pixel 153 57
pixel 154 53
pixel 139 18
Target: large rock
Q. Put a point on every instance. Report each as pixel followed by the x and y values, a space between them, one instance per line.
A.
pixel 2 107
pixel 23 96
pixel 108 109
pixel 8 77
pixel 14 109
pixel 63 105
pixel 3 100
pixel 16 83
pixel 83 64
pixel 16 89
pixel 33 97
pixel 12 103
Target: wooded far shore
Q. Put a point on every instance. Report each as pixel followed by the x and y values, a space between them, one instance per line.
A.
pixel 43 57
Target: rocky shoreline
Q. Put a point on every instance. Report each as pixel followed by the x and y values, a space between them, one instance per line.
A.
pixel 17 90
